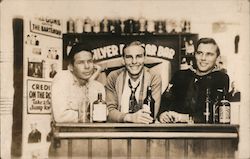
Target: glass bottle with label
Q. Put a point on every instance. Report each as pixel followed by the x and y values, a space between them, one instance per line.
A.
pixel 224 110
pixel 149 102
pixel 99 113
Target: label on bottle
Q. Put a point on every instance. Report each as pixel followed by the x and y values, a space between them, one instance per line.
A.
pixel 99 112
pixel 224 114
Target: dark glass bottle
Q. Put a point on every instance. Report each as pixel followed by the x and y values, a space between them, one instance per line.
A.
pixel 149 102
pixel 219 94
pixel 207 113
pixel 99 113
pixel 224 110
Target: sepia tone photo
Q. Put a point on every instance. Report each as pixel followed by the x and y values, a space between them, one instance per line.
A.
pixel 128 79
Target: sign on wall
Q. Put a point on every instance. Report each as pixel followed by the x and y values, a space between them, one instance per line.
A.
pixel 38 97
pixel 47 26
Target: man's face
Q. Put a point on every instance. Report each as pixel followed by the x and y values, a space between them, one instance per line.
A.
pixel 83 65
pixel 206 57
pixel 134 60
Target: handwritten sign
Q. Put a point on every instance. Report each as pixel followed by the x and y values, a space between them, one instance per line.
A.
pixel 39 97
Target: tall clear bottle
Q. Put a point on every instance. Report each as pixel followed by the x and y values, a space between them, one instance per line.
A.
pixel 149 102
pixel 99 113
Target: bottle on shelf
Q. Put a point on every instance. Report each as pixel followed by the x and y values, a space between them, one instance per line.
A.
pixel 70 26
pixel 88 25
pixel 105 25
pixel 99 110
pixel 224 110
pixel 96 26
pixel 149 102
pixel 79 25
pixel 151 26
pixel 142 25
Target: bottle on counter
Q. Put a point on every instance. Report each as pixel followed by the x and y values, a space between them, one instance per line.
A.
pixel 99 111
pixel 207 113
pixel 149 102
pixel 216 106
pixel 224 110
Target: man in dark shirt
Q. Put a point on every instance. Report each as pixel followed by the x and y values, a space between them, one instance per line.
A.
pixel 186 92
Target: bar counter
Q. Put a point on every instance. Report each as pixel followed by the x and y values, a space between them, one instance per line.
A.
pixel 129 140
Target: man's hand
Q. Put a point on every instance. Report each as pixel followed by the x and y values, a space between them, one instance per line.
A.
pixel 97 71
pixel 172 117
pixel 141 116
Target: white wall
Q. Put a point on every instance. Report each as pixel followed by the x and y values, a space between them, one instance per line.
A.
pixel 234 14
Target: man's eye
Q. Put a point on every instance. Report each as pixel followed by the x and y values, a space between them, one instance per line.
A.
pixel 210 54
pixel 139 56
pixel 90 61
pixel 79 62
pixel 127 57
pixel 198 52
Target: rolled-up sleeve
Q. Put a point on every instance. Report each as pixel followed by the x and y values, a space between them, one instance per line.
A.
pixel 61 108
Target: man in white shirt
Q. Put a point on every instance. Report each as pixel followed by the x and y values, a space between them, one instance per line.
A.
pixel 126 88
pixel 74 90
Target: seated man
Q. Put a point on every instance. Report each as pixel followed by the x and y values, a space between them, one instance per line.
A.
pixel 186 91
pixel 132 81
pixel 74 90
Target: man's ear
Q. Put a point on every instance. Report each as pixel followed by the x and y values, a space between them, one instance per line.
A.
pixel 70 67
pixel 218 60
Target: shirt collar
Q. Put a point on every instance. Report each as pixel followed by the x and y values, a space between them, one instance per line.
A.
pixel 134 83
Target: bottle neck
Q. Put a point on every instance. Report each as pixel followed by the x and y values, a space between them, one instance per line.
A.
pixel 99 97
pixel 149 92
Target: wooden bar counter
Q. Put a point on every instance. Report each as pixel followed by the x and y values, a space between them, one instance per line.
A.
pixel 156 141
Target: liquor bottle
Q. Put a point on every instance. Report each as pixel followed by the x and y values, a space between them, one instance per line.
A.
pixel 151 26
pixel 105 25
pixel 149 102
pixel 96 26
pixel 88 25
pixel 79 25
pixel 216 106
pixel 99 113
pixel 142 25
pixel 70 26
pixel 207 113
pixel 224 110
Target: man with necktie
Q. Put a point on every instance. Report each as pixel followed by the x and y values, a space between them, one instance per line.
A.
pixel 126 88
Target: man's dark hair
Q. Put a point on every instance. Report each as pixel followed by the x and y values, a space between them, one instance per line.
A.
pixel 209 41
pixel 134 43
pixel 76 49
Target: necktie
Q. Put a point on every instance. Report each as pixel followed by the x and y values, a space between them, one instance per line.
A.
pixel 133 105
